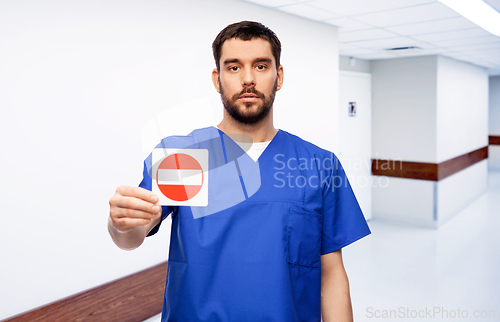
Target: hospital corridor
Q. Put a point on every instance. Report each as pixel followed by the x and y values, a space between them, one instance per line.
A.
pixel 228 160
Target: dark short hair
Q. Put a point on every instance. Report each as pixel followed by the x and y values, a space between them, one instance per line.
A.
pixel 246 30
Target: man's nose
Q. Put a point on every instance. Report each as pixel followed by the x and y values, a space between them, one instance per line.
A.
pixel 248 78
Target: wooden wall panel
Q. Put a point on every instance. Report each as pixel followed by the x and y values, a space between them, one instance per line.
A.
pixel 494 140
pixel 449 167
pixel 405 169
pixel 427 171
pixel 130 299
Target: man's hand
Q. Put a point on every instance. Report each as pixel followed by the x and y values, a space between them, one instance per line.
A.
pixel 133 206
pixel 132 214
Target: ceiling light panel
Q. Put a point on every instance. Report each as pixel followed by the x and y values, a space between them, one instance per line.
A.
pixel 307 11
pixel 433 26
pixel 428 12
pixel 478 12
pixel 350 7
pixel 495 4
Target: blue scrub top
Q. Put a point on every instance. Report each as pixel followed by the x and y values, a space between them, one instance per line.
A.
pixel 253 254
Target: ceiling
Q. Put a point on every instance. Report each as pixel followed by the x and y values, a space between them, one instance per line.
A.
pixel 369 28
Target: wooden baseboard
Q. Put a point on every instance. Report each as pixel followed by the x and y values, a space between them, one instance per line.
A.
pixel 427 171
pixel 130 299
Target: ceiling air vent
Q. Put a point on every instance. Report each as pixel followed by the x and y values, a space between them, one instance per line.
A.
pixel 405 50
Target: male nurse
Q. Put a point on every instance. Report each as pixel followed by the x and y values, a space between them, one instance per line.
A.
pixel 273 253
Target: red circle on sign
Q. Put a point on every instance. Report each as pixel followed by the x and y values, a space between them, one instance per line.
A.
pixel 179 192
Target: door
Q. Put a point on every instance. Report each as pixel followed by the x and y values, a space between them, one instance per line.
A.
pixel 355 135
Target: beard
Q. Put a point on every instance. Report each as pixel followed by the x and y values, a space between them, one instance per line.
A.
pixel 244 114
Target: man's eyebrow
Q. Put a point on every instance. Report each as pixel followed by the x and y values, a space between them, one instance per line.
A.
pixel 257 60
pixel 263 60
pixel 230 61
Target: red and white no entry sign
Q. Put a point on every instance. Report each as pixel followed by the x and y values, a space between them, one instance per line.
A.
pixel 180 176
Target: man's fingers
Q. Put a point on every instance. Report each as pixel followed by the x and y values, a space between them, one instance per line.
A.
pixel 119 213
pixel 136 204
pixel 131 222
pixel 137 192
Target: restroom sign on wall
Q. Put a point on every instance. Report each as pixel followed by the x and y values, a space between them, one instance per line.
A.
pixel 352 108
pixel 180 176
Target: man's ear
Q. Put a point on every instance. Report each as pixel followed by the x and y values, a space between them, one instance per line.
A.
pixel 280 78
pixel 216 80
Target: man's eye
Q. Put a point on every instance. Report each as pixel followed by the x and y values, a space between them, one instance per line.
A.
pixel 261 67
pixel 234 68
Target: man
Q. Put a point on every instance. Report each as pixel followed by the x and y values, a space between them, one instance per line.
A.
pixel 275 254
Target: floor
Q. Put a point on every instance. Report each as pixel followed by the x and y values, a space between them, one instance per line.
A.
pixel 403 273
pixel 156 318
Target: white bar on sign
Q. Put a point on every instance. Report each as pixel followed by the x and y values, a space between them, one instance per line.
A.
pixel 180 177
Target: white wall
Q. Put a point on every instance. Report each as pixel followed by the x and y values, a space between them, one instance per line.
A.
pixel 427 203
pixel 494 157
pixel 462 108
pixel 428 109
pixel 457 191
pixel 360 65
pixel 404 108
pixel 494 120
pixel 305 105
pixel 407 201
pixel 462 127
pixel 78 81
pixel 404 128
pixel 494 103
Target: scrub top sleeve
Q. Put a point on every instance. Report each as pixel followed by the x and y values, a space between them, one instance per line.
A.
pixel 147 183
pixel 343 220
